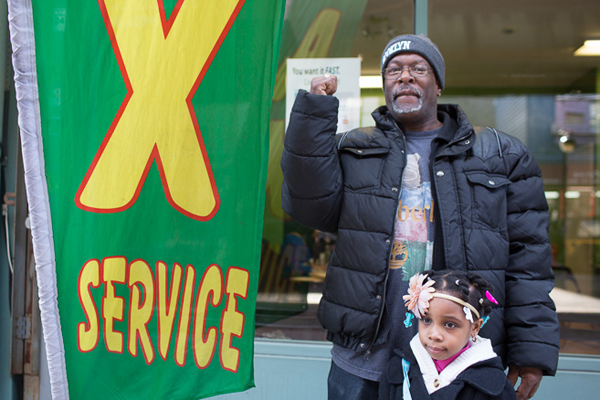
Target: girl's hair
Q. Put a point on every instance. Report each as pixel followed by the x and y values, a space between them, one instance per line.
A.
pixel 467 286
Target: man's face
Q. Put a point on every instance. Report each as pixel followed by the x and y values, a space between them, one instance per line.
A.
pixel 411 101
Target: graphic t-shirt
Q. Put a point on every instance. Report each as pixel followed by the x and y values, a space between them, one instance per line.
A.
pixel 411 253
pixel 412 245
pixel 413 231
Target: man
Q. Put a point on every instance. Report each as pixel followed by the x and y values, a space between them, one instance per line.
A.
pixel 419 190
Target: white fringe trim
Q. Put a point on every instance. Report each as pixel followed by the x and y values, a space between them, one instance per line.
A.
pixel 22 38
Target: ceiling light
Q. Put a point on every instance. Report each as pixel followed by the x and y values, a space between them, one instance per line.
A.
pixel 370 82
pixel 589 48
pixel 571 194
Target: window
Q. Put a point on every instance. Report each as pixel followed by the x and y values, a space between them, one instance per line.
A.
pixel 509 65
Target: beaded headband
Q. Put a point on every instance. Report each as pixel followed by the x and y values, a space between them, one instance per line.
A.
pixel 419 294
pixel 467 308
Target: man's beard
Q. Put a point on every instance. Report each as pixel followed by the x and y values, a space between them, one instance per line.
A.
pixel 406 108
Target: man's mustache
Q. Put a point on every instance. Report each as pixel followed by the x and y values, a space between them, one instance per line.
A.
pixel 406 90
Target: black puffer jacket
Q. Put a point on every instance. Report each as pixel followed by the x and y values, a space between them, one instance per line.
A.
pixel 490 216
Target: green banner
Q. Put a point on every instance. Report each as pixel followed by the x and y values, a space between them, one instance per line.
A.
pixel 155 118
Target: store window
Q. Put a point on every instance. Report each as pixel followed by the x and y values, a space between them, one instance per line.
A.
pixel 508 65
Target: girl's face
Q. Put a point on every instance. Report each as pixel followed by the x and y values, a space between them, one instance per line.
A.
pixel 444 330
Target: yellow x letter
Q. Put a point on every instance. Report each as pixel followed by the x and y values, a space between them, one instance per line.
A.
pixel 162 63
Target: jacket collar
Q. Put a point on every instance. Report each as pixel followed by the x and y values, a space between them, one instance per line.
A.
pixel 456 137
pixel 485 377
pixel 455 117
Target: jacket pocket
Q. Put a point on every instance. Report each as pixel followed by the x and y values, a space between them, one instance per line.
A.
pixel 362 167
pixel 488 198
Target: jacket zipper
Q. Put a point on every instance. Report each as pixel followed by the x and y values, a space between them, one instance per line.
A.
pixel 387 273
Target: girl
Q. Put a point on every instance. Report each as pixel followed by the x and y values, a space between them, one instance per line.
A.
pixel 447 359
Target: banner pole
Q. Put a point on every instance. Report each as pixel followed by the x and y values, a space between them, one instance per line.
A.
pixel 20 19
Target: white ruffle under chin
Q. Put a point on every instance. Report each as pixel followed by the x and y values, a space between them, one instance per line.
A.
pixel 478 351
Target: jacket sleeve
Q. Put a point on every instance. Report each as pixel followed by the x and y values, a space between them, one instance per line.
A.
pixel 532 330
pixel 392 379
pixel 312 175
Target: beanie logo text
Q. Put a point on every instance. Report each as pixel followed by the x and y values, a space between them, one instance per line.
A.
pixel 403 45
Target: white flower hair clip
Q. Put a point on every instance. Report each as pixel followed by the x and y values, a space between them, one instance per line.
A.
pixel 468 314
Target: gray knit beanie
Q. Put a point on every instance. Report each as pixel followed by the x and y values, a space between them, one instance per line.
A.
pixel 421 45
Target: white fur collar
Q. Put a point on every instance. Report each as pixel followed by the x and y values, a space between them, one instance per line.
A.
pixel 478 351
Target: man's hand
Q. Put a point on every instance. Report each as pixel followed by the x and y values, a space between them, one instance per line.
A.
pixel 530 380
pixel 323 85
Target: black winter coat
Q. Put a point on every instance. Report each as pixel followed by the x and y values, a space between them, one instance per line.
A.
pixel 491 216
pixel 485 380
